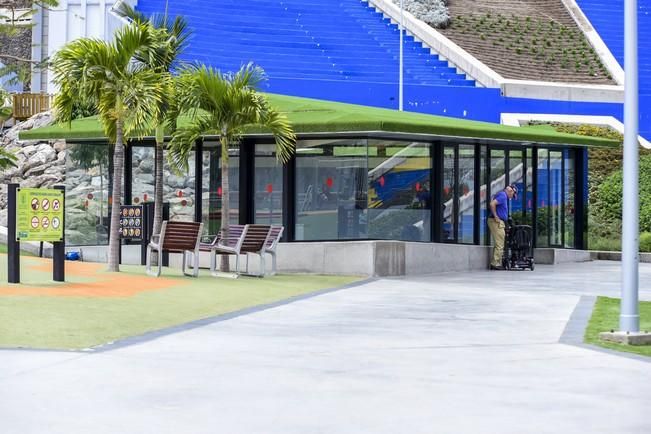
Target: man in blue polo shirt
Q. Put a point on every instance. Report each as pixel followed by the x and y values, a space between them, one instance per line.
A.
pixel 499 207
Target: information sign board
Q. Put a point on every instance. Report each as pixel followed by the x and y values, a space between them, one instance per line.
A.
pixel 39 214
pixel 131 222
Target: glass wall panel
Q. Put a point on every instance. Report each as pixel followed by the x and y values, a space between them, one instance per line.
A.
pixel 268 200
pixel 448 196
pixel 466 193
pixel 516 176
pixel 542 213
pixel 569 198
pixel 483 203
pixel 142 183
pixel 178 190
pixel 399 194
pixel 528 193
pixel 331 189
pixel 212 187
pixel 556 204
pixel 87 191
pixel 497 174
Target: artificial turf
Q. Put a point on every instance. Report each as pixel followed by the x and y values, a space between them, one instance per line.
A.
pixel 317 116
pixel 605 317
pixel 76 321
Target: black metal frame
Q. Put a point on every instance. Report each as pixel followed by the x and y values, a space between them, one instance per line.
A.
pixel 247 180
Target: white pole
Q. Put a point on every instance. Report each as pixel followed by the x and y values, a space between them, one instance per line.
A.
pixel 401 83
pixel 629 319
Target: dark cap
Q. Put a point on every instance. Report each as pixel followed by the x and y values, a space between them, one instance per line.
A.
pixel 515 190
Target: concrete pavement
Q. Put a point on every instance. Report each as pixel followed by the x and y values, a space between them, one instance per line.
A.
pixel 451 353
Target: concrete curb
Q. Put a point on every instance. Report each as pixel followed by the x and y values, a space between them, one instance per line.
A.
pixel 577 324
pixel 616 256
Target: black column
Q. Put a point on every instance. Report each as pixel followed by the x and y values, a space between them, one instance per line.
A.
pixel 128 176
pixel 13 246
pixel 289 199
pixel 581 199
pixel 455 195
pixel 147 229
pixel 59 248
pixel 247 182
pixel 477 221
pixel 437 188
pixel 166 216
pixel 198 181
pixel 534 182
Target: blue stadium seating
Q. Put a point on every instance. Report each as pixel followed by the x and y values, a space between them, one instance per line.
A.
pixel 341 40
pixel 607 17
pixel 343 50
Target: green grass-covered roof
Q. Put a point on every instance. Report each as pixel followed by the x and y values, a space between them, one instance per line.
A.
pixel 316 116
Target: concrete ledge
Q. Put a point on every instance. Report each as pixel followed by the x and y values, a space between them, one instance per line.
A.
pixel 616 256
pixel 368 258
pixel 595 40
pixel 626 338
pixel 560 256
pixel 487 77
pixel 28 246
pixel 443 46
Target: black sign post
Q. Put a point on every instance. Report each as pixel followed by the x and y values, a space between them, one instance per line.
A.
pixel 13 246
pixel 59 247
pixel 55 217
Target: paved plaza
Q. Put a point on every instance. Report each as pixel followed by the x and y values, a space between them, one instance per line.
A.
pixel 485 352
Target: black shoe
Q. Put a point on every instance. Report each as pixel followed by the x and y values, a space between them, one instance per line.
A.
pixel 493 267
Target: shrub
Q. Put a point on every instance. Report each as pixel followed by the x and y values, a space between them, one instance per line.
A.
pixel 645 242
pixel 433 12
pixel 609 195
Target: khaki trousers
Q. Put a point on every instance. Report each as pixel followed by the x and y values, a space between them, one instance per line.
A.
pixel 497 231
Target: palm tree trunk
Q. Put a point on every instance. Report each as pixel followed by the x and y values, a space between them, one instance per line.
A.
pixel 225 199
pixel 118 169
pixel 158 185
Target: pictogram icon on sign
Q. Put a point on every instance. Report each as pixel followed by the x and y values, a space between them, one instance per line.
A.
pixel 35 222
pixel 56 204
pixel 45 203
pixel 34 204
pixel 55 222
pixel 45 222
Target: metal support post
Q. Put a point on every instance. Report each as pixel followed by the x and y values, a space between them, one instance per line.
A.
pixel 629 319
pixel 59 247
pixel 13 246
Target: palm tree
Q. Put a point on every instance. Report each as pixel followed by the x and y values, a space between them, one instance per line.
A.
pixel 171 37
pixel 223 105
pixel 7 159
pixel 126 92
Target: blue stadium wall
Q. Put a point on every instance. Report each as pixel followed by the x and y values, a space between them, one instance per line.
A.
pixel 229 33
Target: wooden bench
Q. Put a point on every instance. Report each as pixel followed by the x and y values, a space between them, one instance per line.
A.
pixel 237 240
pixel 176 237
pixel 270 245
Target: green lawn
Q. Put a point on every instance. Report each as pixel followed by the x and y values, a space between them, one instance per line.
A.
pixel 3 249
pixel 605 317
pixel 68 321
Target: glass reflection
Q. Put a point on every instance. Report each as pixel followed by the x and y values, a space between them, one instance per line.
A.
pixel 87 191
pixel 399 191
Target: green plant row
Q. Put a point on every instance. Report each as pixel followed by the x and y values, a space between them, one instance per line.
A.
pixel 548 41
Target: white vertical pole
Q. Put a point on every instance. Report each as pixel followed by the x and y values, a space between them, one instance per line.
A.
pixel 629 319
pixel 401 83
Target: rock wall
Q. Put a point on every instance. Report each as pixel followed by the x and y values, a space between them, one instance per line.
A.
pixel 40 163
pixel 84 171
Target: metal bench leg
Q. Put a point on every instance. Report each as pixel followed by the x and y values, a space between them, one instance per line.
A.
pixel 185 265
pixel 148 263
pixel 195 255
pixel 263 267
pixel 213 261
pixel 274 266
